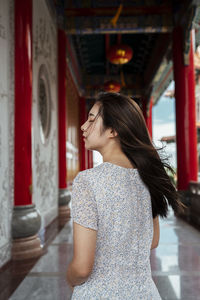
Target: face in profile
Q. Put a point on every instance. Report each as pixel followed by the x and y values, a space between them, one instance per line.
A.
pixel 94 136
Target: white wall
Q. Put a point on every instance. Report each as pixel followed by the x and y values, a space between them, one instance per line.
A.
pixel 6 125
pixel 45 156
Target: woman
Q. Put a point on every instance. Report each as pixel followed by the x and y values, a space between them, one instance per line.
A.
pixel 116 205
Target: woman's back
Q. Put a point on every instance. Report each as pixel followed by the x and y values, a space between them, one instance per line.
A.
pixel 114 201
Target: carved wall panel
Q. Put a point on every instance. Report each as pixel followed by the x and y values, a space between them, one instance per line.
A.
pixel 45 132
pixel 6 126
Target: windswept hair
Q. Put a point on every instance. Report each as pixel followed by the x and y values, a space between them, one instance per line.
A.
pixel 123 115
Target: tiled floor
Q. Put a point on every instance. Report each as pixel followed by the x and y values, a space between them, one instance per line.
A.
pixel 175 265
pixel 46 280
pixel 176 262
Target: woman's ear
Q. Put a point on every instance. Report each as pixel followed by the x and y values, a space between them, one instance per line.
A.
pixel 113 133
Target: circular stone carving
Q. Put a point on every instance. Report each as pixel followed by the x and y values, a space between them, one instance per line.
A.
pixel 44 103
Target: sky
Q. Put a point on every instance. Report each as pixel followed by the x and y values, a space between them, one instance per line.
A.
pixel 163 120
pixel 163 114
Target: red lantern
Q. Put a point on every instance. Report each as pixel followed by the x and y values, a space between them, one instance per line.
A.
pixel 119 54
pixel 112 86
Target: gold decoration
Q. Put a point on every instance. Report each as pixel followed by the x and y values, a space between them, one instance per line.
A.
pixel 116 17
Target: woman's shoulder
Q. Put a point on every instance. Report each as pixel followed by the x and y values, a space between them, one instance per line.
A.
pixel 89 174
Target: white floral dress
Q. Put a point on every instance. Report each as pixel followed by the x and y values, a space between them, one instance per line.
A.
pixel 114 201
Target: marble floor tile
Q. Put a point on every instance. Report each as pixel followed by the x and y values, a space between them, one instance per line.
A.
pixel 176 258
pixel 43 287
pixel 175 262
pixel 174 287
pixel 65 236
pixel 56 259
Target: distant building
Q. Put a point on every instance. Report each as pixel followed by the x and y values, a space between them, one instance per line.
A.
pixel 169 139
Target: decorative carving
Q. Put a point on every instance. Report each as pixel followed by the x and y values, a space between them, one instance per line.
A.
pixel 3 207
pixel 44 103
pixel 2 29
pixel 7 166
pixel 3 41
pixel 45 186
pixel 44 44
pixel 11 106
pixel 125 24
pixel 0 147
pixel 46 175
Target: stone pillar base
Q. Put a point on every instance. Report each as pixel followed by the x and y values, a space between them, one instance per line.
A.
pixel 26 221
pixel 26 248
pixel 64 210
pixel 64 214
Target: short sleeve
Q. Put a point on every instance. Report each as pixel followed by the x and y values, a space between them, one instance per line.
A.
pixel 83 203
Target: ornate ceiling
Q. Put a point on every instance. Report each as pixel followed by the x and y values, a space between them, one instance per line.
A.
pixel 144 25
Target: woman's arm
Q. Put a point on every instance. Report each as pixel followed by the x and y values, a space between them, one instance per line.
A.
pixel 84 241
pixel 156 233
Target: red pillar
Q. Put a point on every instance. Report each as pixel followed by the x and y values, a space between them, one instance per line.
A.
pixel 88 156
pixel 149 122
pixel 26 220
pixel 148 114
pixel 23 103
pixel 90 159
pixel 62 108
pixel 144 109
pixel 186 132
pixel 86 159
pixel 83 152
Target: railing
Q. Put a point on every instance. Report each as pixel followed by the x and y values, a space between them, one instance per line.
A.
pixel 194 188
pixel 191 199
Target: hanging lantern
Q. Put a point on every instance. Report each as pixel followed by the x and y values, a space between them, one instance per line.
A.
pixel 120 54
pixel 112 86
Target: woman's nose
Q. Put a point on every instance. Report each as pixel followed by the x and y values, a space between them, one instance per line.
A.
pixel 83 127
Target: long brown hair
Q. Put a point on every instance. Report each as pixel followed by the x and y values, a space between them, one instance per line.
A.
pixel 123 115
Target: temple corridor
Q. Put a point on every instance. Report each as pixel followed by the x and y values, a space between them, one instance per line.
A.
pixel 56 56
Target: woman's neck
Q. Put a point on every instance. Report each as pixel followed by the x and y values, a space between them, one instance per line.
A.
pixel 112 153
pixel 118 159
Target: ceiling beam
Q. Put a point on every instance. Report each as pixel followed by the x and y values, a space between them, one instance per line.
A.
pixel 94 83
pixel 126 11
pixel 125 24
